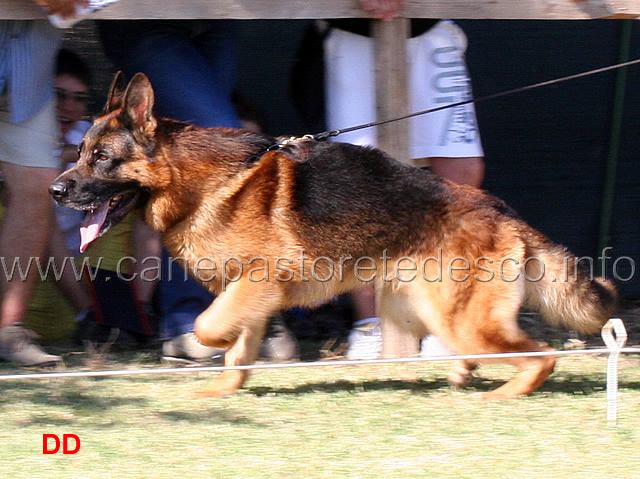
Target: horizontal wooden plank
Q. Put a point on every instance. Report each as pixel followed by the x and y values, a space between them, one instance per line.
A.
pixel 299 9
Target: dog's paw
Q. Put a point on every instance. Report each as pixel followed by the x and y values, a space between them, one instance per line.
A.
pixel 224 385
pixel 460 378
pixel 213 393
pixel 496 395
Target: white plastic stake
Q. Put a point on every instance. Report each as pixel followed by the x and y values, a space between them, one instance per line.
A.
pixel 614 343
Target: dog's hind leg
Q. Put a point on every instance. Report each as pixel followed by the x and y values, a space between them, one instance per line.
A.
pixel 489 326
pixel 532 371
pixel 479 319
pixel 237 321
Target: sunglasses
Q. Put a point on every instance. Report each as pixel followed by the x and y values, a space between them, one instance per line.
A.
pixel 65 95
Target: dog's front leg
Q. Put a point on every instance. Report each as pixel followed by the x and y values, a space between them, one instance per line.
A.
pixel 237 321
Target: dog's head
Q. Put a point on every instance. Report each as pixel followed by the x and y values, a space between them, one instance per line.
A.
pixel 113 172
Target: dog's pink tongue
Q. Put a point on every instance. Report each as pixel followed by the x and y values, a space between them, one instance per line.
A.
pixel 91 224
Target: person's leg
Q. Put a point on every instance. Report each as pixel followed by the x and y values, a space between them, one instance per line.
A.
pixel 180 299
pixel 188 84
pixel 217 43
pixel 464 171
pixel 449 138
pixel 350 97
pixel 29 165
pixel 350 100
pixel 438 76
pixel 23 234
pixel 177 300
pixel 130 314
pixel 23 237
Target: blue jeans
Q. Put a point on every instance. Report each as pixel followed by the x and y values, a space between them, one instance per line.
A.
pixel 191 65
pixel 180 299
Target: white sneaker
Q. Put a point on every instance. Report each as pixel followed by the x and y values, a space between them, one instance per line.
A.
pixel 186 348
pixel 432 346
pixel 365 339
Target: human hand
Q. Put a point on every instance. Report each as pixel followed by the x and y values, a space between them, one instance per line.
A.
pixel 65 8
pixel 382 9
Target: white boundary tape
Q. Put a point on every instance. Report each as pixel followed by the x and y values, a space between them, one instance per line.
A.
pixel 615 347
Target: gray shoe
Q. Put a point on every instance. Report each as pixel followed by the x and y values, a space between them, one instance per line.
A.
pixel 279 344
pixel 186 348
pixel 17 346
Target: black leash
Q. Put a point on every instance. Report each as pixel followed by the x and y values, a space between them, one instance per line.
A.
pixel 328 134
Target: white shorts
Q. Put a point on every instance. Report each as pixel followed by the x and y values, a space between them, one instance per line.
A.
pixel 32 142
pixel 437 76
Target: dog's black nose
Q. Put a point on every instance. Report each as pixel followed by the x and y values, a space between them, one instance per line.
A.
pixel 59 190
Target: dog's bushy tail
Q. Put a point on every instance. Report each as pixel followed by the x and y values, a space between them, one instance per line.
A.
pixel 566 292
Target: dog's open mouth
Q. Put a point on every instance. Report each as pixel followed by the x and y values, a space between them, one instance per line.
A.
pixel 99 219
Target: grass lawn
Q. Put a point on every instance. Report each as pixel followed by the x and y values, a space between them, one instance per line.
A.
pixel 381 421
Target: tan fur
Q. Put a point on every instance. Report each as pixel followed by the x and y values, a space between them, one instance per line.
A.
pixel 217 194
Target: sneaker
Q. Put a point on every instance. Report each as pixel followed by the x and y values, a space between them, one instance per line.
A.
pixel 432 346
pixel 279 343
pixel 17 346
pixel 187 349
pixel 365 339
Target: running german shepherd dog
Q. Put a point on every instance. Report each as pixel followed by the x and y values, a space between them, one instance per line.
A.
pixel 267 225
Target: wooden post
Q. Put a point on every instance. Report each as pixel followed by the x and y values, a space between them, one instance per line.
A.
pixel 392 101
pixel 282 9
pixel 392 98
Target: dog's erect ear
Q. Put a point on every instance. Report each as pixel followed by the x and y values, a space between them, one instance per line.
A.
pixel 138 103
pixel 116 92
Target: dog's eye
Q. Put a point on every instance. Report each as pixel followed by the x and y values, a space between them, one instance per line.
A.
pixel 99 156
